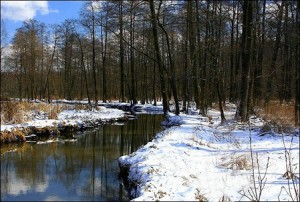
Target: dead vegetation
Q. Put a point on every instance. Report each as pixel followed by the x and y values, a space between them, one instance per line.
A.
pixel 200 196
pixel 160 194
pixel 278 114
pixel 13 112
pixel 19 134
pixel 12 136
pixel 241 162
pixel 16 112
pixel 224 198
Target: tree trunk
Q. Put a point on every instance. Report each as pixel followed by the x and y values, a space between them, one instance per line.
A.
pixel 122 68
pixel 272 68
pixel 47 85
pixel 84 71
pixel 286 88
pixel 232 76
pixel 246 55
pixel 297 60
pixel 162 72
pixel 185 79
pixel 132 62
pixel 171 70
pixel 104 58
pixel 259 67
pixel 94 58
pixel 202 73
pixel 193 57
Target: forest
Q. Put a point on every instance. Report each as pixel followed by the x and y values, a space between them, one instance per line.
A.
pixel 177 52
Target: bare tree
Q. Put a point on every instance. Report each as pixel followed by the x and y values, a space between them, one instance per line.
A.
pixel 88 15
pixel 297 60
pixel 246 56
pixel 122 68
pixel 161 69
pixel 272 67
pixel 171 72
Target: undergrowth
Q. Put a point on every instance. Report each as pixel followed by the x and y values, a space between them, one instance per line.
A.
pixel 15 112
pixel 276 113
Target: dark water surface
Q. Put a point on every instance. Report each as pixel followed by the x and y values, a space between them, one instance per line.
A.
pixel 84 170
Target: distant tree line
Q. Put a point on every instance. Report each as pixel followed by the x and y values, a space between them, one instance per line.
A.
pixel 201 51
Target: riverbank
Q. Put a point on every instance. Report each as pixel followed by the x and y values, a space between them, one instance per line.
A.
pixel 70 119
pixel 27 121
pixel 198 158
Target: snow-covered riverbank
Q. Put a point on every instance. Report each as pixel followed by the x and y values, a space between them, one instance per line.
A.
pixel 76 118
pixel 198 159
pixel 73 115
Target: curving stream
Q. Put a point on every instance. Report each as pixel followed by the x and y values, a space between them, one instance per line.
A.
pixel 86 169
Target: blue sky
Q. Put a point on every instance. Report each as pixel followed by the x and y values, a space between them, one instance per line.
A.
pixel 14 13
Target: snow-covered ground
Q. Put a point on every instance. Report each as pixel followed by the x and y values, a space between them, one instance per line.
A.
pixel 77 118
pixel 198 159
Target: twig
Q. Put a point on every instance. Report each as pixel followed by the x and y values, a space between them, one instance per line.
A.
pixel 255 192
pixel 288 164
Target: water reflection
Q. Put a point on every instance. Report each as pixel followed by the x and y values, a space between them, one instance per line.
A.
pixel 82 170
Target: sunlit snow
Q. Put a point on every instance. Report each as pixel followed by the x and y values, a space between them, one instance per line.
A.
pixel 199 158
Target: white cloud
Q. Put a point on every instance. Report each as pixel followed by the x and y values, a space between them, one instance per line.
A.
pixel 23 10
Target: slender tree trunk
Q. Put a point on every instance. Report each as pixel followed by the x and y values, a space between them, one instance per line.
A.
pixel 202 73
pixel 84 71
pixel 153 85
pixel 122 68
pixel 205 67
pixel 219 66
pixel 162 72
pixel 185 79
pixel 94 58
pixel 132 56
pixel 41 93
pixel 104 58
pixel 237 59
pixel 254 65
pixel 286 83
pixel 297 60
pixel 47 85
pixel 171 70
pixel 259 67
pixel 193 57
pixel 272 68
pixel 246 55
pixel 232 78
pixel 216 57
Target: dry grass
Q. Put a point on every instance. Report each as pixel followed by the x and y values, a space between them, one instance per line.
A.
pixel 241 162
pixel 282 114
pixel 160 194
pixel 13 112
pixel 224 198
pixel 199 196
pixel 13 136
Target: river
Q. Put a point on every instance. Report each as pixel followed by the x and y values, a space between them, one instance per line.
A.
pixel 83 170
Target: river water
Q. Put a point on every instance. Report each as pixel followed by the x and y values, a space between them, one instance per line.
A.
pixel 84 170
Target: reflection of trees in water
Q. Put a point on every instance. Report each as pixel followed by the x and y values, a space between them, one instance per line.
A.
pixel 28 165
pixel 69 160
pixel 104 148
pixel 11 147
pixel 87 168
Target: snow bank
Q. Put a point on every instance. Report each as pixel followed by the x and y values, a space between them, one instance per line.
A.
pixel 78 118
pixel 197 158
